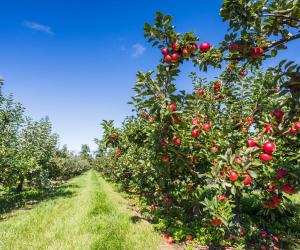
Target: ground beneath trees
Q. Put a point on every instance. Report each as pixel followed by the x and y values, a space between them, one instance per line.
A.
pixel 84 214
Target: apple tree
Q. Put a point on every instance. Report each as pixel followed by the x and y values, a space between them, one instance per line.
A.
pixel 220 164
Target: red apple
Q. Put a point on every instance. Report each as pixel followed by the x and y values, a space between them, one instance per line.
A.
pixel 276 199
pixel 222 197
pixel 271 187
pixel 113 137
pixel 152 119
pixel 118 152
pixel 292 131
pixel 170 241
pixel 173 107
pixel 215 222
pixel 168 238
pixel 233 47
pixel 238 160
pixel 268 128
pixel 297 125
pixel 287 188
pixel 175 46
pixel 196 121
pixel 257 52
pixel 222 172
pixel 279 114
pixel 233 176
pixel 201 91
pixel 243 129
pixel 144 114
pixel 164 51
pixel 281 172
pixel 164 142
pixel 167 199
pixel 247 180
pixel 153 206
pixel 217 96
pixel 275 238
pixel 175 57
pixel 206 127
pixel 168 58
pixel 195 133
pixel 164 158
pixel 249 120
pixel 194 46
pixel 265 157
pixel 176 140
pixel 204 47
pixel 242 73
pixel 263 234
pixel 217 85
pixel 251 143
pixel 185 52
pixel 165 235
pixel 214 148
pixel 269 147
pixel 215 164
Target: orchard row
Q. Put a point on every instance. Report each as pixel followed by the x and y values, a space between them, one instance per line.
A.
pixel 221 164
pixel 30 156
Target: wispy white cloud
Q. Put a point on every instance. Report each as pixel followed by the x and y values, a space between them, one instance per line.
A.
pixel 38 27
pixel 138 50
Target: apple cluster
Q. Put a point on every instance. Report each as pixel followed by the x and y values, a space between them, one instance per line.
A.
pixel 175 53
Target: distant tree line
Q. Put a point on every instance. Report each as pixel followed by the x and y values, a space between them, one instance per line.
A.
pixel 30 156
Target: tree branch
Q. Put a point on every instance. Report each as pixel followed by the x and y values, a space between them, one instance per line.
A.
pixel 283 11
pixel 280 16
pixel 274 44
pixel 284 40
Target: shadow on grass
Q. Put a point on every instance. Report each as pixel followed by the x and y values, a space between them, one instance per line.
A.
pixel 135 219
pixel 216 248
pixel 27 199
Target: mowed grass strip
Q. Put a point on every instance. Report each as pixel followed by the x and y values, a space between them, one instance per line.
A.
pixel 115 227
pixel 91 216
pixel 52 224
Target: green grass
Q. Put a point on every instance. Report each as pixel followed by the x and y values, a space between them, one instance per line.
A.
pixel 83 214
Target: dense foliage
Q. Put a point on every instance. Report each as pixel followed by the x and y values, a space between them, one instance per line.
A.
pixel 220 164
pixel 29 152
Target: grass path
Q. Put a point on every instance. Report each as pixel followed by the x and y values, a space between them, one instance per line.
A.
pixel 86 215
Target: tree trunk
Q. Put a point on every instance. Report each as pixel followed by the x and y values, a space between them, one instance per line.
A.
pixel 19 188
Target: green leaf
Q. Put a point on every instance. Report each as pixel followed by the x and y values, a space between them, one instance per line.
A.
pixel 252 173
pixel 233 190
pixel 274 52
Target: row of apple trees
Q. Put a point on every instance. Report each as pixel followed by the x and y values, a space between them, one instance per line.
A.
pixel 219 165
pixel 30 156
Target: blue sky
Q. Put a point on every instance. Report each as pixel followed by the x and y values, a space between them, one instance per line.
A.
pixel 76 61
